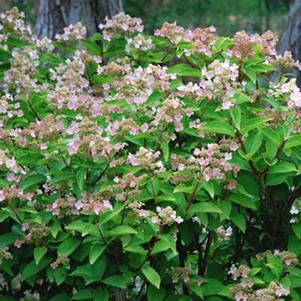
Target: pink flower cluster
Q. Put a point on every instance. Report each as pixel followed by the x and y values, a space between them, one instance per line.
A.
pixel 20 77
pixel 36 232
pixel 147 159
pixel 201 39
pixel 219 81
pixel 8 194
pixel 211 162
pixel 9 108
pixel 127 187
pixel 13 21
pixel 61 260
pixel 170 31
pixel 224 234
pixel 119 24
pixel 139 42
pixel 137 85
pixel 71 206
pixel 72 33
pixel 166 216
pixel 244 44
pixel 171 111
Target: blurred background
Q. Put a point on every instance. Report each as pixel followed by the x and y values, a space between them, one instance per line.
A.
pixel 229 16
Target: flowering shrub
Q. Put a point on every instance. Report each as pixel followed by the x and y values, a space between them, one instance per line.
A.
pixel 137 167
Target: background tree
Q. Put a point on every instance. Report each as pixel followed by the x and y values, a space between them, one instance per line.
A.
pixel 290 38
pixel 54 15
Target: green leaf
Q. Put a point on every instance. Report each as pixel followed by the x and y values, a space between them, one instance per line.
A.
pixel 61 176
pixel 156 95
pixel 116 281
pixel 198 290
pixel 236 116
pixel 165 149
pixel 243 200
pixel 297 229
pixel 5 56
pixel 160 246
pixel 84 294
pixel 121 230
pixel 241 98
pixel 293 141
pixel 80 178
pixel 55 228
pixel 204 207
pixel 275 264
pixel 276 178
pixel 151 275
pixel 135 248
pixel 219 127
pixel 294 245
pixel 272 135
pixel 31 268
pixel 68 246
pixel 182 188
pixel 95 252
pixel 253 123
pixel 32 180
pixel 154 294
pixel 238 220
pixel 3 215
pixel 60 275
pixel 91 46
pixel 283 167
pixel 39 253
pixel 184 70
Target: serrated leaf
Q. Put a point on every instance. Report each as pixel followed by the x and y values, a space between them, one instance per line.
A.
pixel 39 253
pixel 243 200
pixel 219 127
pixel 293 141
pixel 297 229
pixel 68 246
pixel 32 180
pixel 136 249
pixel 204 207
pixel 236 116
pixel 238 220
pixel 165 149
pixel 95 252
pixel 253 123
pixel 116 281
pixel 151 275
pixel 184 70
pixel 121 230
pixel 283 167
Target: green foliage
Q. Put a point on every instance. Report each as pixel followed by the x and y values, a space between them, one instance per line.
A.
pixel 161 167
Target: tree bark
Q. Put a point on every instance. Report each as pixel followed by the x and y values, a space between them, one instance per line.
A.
pixel 290 38
pixel 54 15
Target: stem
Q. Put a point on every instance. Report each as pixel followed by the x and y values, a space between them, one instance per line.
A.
pixel 194 190
pixel 200 253
pixel 100 175
pixel 32 110
pixel 206 256
pixel 250 162
pixel 102 236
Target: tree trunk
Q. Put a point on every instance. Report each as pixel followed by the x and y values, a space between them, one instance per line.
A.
pixel 290 38
pixel 54 15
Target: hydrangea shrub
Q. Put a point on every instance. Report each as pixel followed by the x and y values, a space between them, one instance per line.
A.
pixel 138 167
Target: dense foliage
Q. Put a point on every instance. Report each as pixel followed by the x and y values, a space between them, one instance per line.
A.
pixel 162 167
